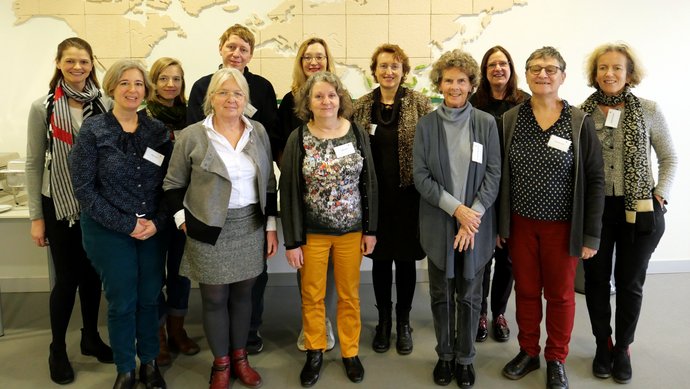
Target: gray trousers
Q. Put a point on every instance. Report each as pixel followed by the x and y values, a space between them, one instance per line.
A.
pixel 455 302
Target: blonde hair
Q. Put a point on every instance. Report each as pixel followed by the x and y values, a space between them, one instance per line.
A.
pixel 242 32
pixel 114 74
pixel 633 66
pixel 454 59
pixel 156 70
pixel 219 77
pixel 298 76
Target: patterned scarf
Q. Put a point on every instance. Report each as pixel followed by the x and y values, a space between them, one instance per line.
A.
pixel 61 135
pixel 639 205
pixel 175 117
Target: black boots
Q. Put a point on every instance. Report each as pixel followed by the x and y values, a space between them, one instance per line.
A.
pixel 125 381
pixel 312 368
pixel 382 338
pixel 60 369
pixel 150 376
pixel 403 343
pixel 92 344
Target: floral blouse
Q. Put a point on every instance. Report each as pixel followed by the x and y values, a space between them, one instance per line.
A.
pixel 331 171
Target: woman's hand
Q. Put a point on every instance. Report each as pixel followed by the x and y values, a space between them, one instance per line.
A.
pixel 500 241
pixel 588 253
pixel 183 227
pixel 368 244
pixel 38 232
pixel 464 239
pixel 295 258
pixel 660 200
pixel 271 243
pixel 144 229
pixel 468 217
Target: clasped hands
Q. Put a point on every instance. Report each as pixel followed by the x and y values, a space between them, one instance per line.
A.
pixel 469 221
pixel 144 229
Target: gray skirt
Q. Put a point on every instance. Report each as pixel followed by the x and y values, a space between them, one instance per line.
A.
pixel 238 254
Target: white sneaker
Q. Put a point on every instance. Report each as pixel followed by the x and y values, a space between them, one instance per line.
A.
pixel 300 341
pixel 330 338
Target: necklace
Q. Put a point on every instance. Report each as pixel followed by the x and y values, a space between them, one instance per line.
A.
pixel 386 113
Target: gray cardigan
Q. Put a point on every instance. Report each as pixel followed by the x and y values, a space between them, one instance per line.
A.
pixel 431 171
pixel 198 181
pixel 588 196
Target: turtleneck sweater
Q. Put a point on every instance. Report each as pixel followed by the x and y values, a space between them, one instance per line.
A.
pixel 456 125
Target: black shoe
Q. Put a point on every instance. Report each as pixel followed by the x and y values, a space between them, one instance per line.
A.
pixel 501 330
pixel 555 375
pixel 255 344
pixel 601 365
pixel 382 338
pixel 150 376
pixel 92 344
pixel 60 369
pixel 465 375
pixel 483 328
pixel 125 381
pixel 443 372
pixel 312 368
pixel 622 367
pixel 404 343
pixel 354 369
pixel 520 366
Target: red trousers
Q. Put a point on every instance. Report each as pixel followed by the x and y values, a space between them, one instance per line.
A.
pixel 542 261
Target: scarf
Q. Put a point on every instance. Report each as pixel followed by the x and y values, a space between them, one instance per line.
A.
pixel 61 135
pixel 639 205
pixel 174 118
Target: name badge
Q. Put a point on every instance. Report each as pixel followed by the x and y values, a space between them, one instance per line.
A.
pixel 154 156
pixel 477 152
pixel 250 110
pixel 372 129
pixel 559 143
pixel 344 150
pixel 612 118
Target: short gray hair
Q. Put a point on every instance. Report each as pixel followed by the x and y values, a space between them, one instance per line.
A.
pixel 219 77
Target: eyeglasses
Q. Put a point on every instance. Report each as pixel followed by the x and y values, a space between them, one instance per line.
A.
pixel 499 64
pixel 394 67
pixel 550 69
pixel 225 94
pixel 318 58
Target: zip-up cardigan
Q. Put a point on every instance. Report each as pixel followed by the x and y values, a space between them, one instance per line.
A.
pixel 292 188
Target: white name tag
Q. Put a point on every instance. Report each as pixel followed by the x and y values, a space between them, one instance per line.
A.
pixel 372 129
pixel 153 156
pixel 559 143
pixel 250 110
pixel 477 152
pixel 612 118
pixel 344 150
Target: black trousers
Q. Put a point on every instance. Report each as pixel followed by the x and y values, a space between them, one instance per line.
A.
pixel 405 282
pixel 633 251
pixel 73 270
pixel 502 285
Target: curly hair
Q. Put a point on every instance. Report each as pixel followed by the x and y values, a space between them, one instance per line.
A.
pixel 633 67
pixel 303 98
pixel 398 54
pixel 298 76
pixel 155 72
pixel 454 59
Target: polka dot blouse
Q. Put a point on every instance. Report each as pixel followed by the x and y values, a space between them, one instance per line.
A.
pixel 541 176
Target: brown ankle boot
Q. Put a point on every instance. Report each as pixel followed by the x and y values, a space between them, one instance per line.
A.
pixel 177 337
pixel 241 369
pixel 164 358
pixel 220 373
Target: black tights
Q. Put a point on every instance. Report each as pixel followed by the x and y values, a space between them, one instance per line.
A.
pixel 222 326
pixel 405 281
pixel 73 271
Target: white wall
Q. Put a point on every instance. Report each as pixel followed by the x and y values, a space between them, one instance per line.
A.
pixel 658 30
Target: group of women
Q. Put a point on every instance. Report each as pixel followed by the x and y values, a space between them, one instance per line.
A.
pixel 492 172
